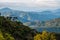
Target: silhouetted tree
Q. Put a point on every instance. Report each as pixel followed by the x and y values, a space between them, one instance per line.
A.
pixel 14 18
pixel 0 14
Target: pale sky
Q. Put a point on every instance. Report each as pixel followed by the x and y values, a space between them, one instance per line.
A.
pixel 31 5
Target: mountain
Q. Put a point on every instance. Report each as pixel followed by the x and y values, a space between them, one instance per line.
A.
pixel 30 16
pixel 49 26
pixel 44 24
pixel 14 30
pixel 32 19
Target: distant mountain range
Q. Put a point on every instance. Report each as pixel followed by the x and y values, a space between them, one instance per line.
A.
pixel 50 26
pixel 44 24
pixel 31 18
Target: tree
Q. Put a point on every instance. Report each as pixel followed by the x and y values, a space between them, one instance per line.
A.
pixel 1 36
pixel 37 37
pixel 15 18
pixel 45 36
pixel 0 14
pixel 52 36
pixel 8 36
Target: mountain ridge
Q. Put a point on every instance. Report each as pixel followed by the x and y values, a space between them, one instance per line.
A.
pixel 35 17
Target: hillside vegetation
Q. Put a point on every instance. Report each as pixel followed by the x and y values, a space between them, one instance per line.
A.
pixel 14 30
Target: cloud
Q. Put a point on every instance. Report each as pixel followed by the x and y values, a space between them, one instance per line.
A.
pixel 30 4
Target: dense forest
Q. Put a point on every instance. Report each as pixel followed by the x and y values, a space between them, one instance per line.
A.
pixel 15 30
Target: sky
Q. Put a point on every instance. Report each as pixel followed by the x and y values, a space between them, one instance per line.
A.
pixel 31 5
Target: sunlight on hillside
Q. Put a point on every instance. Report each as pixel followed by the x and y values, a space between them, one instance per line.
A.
pixel 45 36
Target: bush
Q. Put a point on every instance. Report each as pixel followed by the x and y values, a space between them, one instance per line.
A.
pixel 45 36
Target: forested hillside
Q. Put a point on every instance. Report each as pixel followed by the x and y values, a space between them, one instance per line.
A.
pixel 14 30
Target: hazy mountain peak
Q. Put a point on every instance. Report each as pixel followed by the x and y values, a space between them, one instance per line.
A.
pixel 30 16
pixel 6 9
pixel 46 12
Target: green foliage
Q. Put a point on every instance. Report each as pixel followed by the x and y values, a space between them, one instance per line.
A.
pixel 1 36
pixel 14 30
pixel 8 37
pixel 45 36
pixel 5 36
